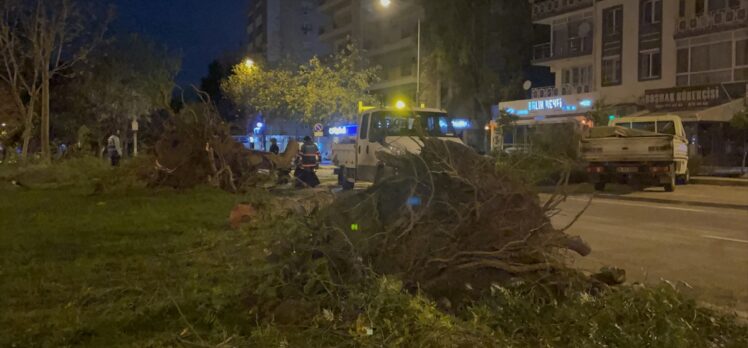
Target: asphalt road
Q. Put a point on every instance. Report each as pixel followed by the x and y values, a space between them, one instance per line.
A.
pixel 691 242
pixel 696 238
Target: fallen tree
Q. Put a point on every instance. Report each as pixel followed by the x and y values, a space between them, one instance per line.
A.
pixel 196 148
pixel 450 222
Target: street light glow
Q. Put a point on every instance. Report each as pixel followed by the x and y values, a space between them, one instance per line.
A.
pixel 400 105
pixel 4 124
pixel 249 63
pixel 385 3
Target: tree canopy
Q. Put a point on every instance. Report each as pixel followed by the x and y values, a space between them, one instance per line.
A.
pixel 478 49
pixel 315 91
pixel 128 78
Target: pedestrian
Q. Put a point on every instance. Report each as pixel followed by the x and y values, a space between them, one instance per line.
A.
pixel 307 164
pixel 274 146
pixel 114 149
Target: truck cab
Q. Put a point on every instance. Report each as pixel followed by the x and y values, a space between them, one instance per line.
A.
pixel 645 151
pixel 392 130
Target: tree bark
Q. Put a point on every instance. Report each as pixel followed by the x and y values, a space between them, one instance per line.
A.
pixel 46 153
pixel 28 130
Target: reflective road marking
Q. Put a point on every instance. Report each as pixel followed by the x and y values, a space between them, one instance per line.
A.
pixel 726 239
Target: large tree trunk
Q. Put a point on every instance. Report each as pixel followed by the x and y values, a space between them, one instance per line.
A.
pixel 46 153
pixel 28 130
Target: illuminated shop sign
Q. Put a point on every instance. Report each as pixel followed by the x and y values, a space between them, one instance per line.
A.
pixel 689 97
pixel 552 105
pixel 548 104
pixel 460 123
pixel 342 130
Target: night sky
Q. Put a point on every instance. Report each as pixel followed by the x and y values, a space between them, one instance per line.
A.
pixel 201 30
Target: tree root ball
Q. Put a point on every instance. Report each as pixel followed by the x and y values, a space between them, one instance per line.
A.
pixel 449 222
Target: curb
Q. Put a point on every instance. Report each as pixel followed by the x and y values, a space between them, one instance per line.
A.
pixel 719 181
pixel 673 202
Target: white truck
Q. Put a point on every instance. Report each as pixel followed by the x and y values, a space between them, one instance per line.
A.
pixel 393 130
pixel 639 151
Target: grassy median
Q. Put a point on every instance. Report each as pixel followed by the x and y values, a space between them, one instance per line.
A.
pixel 135 267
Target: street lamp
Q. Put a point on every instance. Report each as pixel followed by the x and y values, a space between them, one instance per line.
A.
pixel 386 4
pixel 249 63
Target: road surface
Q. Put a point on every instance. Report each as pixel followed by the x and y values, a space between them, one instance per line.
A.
pixel 696 237
pixel 685 242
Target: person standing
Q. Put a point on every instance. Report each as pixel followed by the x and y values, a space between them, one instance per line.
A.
pixel 114 149
pixel 274 146
pixel 309 162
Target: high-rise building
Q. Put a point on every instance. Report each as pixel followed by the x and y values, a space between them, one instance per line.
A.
pixel 642 57
pixel 285 30
pixel 388 36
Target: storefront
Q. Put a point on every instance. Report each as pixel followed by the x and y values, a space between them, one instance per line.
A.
pixel 706 112
pixel 533 113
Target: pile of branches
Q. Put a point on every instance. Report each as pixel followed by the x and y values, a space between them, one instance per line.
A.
pixel 196 148
pixel 449 222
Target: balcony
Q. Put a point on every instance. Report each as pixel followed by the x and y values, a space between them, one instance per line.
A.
pixel 569 48
pixel 378 48
pixel 332 6
pixel 542 52
pixel 542 9
pixel 334 30
pixel 552 91
pixel 713 22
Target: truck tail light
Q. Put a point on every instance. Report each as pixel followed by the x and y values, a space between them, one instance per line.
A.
pixel 663 148
pixel 659 169
pixel 595 169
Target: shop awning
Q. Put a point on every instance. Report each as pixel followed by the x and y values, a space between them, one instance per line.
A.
pixel 719 113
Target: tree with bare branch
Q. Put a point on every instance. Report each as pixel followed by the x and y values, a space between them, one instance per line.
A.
pixel 41 39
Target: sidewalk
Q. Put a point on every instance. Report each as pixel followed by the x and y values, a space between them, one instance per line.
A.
pixel 719 181
pixel 729 197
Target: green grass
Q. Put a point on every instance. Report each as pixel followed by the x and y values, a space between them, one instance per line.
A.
pixel 115 269
pixel 132 267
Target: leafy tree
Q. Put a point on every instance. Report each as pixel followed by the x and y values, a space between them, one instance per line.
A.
pixel 600 113
pixel 478 49
pixel 218 71
pixel 316 91
pixel 127 79
pixel 740 122
pixel 41 39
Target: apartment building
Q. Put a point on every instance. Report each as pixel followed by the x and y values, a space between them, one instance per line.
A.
pixel 388 36
pixel 643 57
pixel 285 30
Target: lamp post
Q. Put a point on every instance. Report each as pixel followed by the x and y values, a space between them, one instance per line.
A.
pixel 386 4
pixel 249 63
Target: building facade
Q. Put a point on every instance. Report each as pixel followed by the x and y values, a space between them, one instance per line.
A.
pixel 643 57
pixel 389 39
pixel 281 30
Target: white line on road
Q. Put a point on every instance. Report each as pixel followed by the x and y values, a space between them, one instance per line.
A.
pixel 656 206
pixel 726 239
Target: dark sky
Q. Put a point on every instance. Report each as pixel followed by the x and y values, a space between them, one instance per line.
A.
pixel 201 30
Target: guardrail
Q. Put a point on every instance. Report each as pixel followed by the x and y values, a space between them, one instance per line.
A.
pixel 550 8
pixel 727 19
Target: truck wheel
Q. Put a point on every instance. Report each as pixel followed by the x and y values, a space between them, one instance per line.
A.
pixel 600 186
pixel 670 187
pixel 343 180
pixel 684 179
